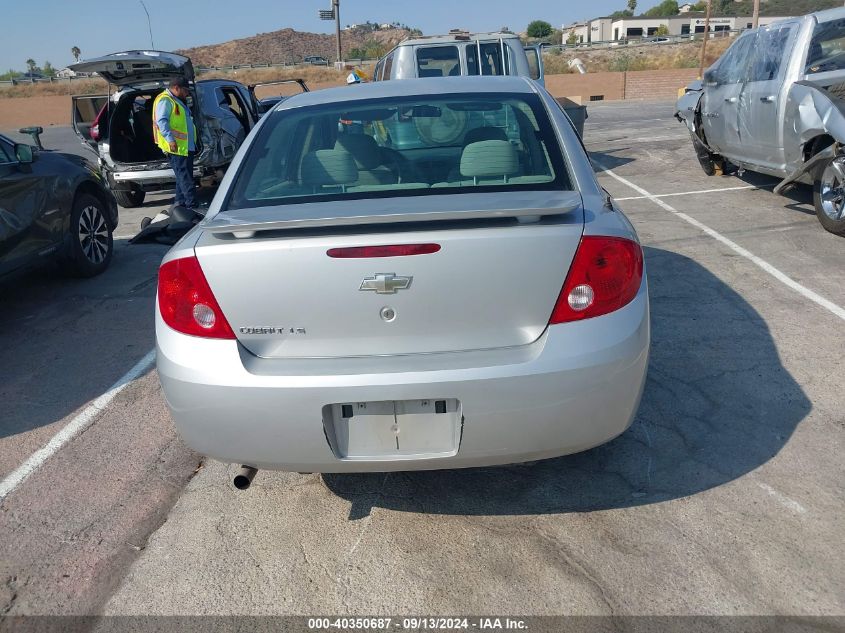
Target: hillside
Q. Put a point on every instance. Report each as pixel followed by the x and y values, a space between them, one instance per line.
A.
pixel 633 58
pixel 288 45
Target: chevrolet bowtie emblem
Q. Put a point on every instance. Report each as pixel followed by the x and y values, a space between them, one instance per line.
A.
pixel 385 283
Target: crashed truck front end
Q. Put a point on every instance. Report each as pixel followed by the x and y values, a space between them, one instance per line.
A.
pixel 688 112
pixel 814 127
pixel 792 68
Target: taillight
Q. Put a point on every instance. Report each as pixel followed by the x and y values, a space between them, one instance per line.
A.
pixel 95 132
pixel 605 275
pixel 186 302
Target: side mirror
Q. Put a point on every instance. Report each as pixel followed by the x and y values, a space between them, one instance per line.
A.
pixel 23 153
pixel 35 132
pixel 711 78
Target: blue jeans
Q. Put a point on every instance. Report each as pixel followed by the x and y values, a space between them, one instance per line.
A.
pixel 183 166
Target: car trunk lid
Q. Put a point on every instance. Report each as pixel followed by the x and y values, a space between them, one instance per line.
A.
pixel 491 282
pixel 135 67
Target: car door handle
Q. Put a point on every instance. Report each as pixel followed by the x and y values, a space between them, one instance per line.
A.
pixel 769 99
pixel 731 100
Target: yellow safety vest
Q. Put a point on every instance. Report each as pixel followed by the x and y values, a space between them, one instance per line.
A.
pixel 178 126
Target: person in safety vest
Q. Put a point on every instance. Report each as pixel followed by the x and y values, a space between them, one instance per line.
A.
pixel 175 134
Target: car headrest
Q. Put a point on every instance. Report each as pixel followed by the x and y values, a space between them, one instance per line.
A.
pixel 363 148
pixel 485 134
pixel 486 159
pixel 328 167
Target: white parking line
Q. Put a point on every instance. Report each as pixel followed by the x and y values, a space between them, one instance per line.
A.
pixel 686 193
pixel 73 428
pixel 739 250
pixel 592 140
pixel 784 500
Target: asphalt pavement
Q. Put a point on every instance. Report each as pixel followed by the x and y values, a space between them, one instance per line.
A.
pixel 725 497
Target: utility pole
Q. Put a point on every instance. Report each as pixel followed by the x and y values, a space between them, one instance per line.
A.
pixel 149 24
pixel 755 18
pixel 706 37
pixel 336 7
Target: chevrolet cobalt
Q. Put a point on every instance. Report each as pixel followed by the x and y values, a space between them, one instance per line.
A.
pixel 405 275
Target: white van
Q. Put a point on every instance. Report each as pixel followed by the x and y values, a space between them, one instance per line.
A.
pixel 462 53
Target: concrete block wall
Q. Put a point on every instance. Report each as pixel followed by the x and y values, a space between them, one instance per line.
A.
pixel 609 86
pixel 657 84
pixel 642 84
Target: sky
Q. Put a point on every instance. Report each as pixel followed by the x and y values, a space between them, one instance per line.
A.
pixel 48 29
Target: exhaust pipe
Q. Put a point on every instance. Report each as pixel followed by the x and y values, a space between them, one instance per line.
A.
pixel 244 478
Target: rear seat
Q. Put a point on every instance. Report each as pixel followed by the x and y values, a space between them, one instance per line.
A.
pixel 486 162
pixel 475 135
pixel 368 159
pixel 328 168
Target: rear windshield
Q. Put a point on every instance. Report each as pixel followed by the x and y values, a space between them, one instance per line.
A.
pixel 401 147
pixel 438 61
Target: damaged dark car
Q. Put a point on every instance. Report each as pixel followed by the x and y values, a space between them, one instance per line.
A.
pixel 774 103
pixel 53 207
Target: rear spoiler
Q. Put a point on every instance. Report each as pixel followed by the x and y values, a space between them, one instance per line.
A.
pixel 246 223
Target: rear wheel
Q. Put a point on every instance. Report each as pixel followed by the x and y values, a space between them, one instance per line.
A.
pixel 130 198
pixel 91 242
pixel 829 195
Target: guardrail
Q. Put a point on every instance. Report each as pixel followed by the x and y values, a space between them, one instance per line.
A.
pixel 200 70
pixel 45 80
pixel 358 61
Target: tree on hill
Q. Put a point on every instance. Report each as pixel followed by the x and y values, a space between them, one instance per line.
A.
pixel 665 9
pixel 76 53
pixel 372 49
pixel 624 13
pixel 539 28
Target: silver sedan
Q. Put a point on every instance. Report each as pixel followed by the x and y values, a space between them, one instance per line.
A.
pixel 406 275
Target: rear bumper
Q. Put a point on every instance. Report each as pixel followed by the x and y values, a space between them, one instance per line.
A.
pixel 148 180
pixel 576 387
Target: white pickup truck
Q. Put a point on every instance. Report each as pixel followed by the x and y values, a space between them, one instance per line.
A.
pixel 773 103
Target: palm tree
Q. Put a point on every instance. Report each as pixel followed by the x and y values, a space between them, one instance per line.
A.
pixel 76 53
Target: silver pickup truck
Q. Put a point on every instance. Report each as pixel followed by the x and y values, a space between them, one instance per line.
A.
pixel 462 53
pixel 773 103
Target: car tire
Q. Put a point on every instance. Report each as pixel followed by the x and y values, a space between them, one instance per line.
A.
pixel 829 195
pixel 91 241
pixel 130 198
pixel 710 163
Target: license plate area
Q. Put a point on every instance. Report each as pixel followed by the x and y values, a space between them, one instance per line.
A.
pixel 393 429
